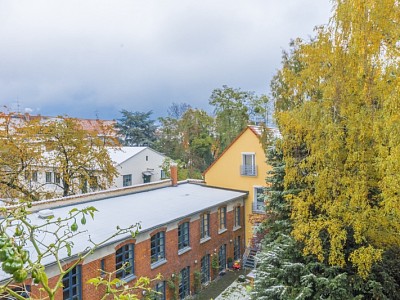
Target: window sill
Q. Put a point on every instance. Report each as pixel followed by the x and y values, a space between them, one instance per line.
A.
pixel 127 279
pixel 184 250
pixel 222 231
pixel 205 239
pixel 236 228
pixel 158 263
pixel 258 211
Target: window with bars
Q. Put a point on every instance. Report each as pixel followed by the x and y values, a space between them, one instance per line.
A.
pixel 248 167
pixel 183 236
pixel 205 269
pixel 184 283
pixel 124 261
pixel 205 225
pixel 158 247
pixel 72 287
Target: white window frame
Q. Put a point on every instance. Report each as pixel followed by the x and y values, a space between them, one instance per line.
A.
pixel 255 202
pixel 244 171
pixel 47 179
pixel 123 180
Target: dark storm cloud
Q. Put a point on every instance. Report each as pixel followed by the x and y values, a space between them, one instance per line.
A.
pixel 86 57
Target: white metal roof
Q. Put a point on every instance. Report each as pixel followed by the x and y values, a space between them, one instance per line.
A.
pixel 120 155
pixel 152 209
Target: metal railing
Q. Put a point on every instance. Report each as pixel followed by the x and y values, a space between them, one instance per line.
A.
pixel 248 170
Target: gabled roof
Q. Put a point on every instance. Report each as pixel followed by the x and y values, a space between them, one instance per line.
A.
pixel 124 153
pixel 120 155
pixel 257 130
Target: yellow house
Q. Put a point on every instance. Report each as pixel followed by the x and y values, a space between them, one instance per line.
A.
pixel 242 165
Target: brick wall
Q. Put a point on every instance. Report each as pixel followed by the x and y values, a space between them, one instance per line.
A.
pixel 174 262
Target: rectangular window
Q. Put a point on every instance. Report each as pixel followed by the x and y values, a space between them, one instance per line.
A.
pixel 103 267
pixel 205 269
pixel 84 184
pixel 72 288
pixel 124 262
pixel 222 218
pixel 222 257
pixel 163 174
pixel 184 283
pixel 160 291
pixel 57 178
pixel 259 204
pixel 183 236
pixel 158 247
pixel 237 222
pixel 127 180
pixel 49 177
pixel 94 183
pixel 236 248
pixel 34 176
pixel 205 225
pixel 248 167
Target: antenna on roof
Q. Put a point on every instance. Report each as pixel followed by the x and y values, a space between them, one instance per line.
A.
pixel 18 111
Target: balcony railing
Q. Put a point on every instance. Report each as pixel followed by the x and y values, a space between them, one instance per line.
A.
pixel 248 170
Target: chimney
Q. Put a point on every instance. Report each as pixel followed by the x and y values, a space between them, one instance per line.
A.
pixel 174 174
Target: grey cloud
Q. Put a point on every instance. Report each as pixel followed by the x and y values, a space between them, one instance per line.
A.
pixel 77 57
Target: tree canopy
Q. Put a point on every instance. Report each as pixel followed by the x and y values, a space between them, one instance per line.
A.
pixel 234 109
pixel 337 101
pixel 78 156
pixel 188 139
pixel 284 272
pixel 19 156
pixel 136 128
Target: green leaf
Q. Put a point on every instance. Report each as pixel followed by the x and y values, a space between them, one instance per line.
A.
pixel 69 248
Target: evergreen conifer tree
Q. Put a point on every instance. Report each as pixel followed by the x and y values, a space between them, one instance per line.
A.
pixel 284 272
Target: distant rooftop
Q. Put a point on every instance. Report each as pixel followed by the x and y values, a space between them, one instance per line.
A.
pixel 93 125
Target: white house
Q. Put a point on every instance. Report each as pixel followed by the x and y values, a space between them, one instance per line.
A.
pixel 136 165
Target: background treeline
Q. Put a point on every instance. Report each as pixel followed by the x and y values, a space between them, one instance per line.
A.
pixel 191 136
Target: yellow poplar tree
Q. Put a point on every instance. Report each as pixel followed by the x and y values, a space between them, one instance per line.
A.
pixel 338 109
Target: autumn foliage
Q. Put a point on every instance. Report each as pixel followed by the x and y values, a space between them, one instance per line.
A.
pixel 338 109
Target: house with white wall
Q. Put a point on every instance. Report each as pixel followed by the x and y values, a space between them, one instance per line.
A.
pixel 136 165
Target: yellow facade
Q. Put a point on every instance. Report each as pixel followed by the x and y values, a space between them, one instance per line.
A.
pixel 227 172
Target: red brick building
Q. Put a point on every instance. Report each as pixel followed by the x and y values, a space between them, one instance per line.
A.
pixel 183 227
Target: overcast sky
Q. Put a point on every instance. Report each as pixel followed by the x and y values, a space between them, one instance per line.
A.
pixel 95 57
